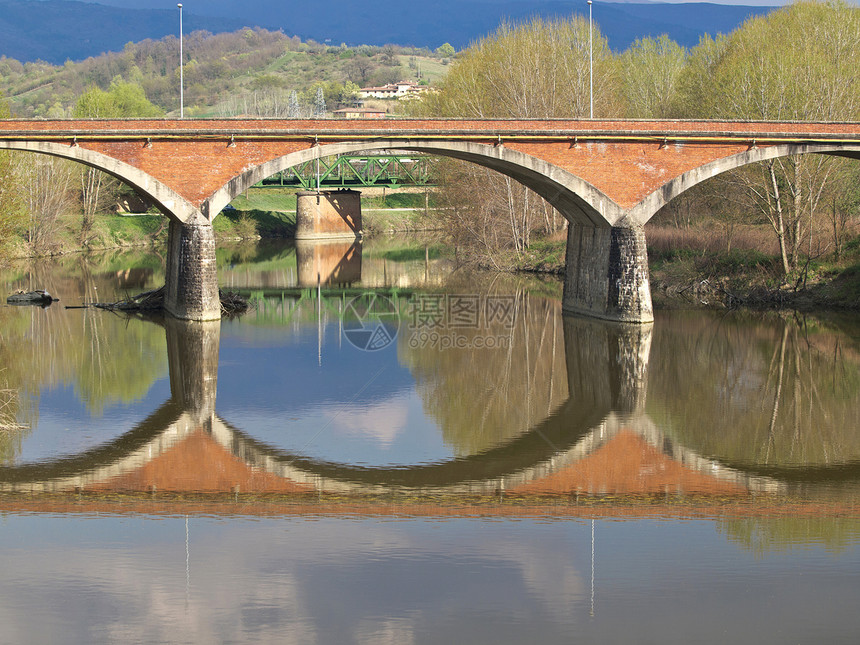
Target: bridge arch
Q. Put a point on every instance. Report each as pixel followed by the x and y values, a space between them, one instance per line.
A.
pixel 606 398
pixel 548 447
pixel 648 207
pixel 544 449
pixel 576 199
pixel 165 198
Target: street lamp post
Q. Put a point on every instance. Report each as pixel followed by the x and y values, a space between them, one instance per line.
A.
pixel 181 72
pixel 590 66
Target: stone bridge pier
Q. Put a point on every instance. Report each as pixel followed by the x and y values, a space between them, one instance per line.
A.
pixel 191 283
pixel 606 274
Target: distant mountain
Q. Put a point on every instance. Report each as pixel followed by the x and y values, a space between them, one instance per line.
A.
pixel 57 30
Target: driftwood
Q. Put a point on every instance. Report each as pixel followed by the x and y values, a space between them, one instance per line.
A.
pixel 232 304
pixel 146 301
pixel 39 297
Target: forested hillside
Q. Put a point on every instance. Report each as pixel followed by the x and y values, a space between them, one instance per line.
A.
pixel 250 71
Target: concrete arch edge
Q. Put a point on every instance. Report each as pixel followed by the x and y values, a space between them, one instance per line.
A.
pixel 648 207
pixel 577 200
pixel 167 200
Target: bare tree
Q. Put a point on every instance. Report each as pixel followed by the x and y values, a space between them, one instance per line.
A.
pixel 797 63
pixel 535 70
pixel 48 190
pixel 97 190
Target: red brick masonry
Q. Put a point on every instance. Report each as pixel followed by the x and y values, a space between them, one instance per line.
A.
pixel 627 160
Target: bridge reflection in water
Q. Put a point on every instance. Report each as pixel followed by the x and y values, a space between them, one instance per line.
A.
pixel 337 262
pixel 594 436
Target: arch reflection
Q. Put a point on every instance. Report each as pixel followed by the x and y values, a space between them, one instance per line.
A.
pixel 622 416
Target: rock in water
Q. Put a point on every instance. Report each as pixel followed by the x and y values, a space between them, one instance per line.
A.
pixel 39 297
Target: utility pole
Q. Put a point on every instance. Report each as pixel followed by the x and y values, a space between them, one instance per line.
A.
pixel 590 66
pixel 181 71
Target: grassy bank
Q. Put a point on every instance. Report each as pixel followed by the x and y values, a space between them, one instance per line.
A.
pixel 273 210
pixel 697 266
pixel 109 231
pixel 259 213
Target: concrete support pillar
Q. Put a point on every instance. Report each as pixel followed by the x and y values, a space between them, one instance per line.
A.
pixel 192 354
pixel 328 214
pixel 607 363
pixel 606 274
pixel 191 284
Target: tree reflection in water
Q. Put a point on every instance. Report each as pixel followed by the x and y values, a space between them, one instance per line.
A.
pixel 769 392
pixel 562 407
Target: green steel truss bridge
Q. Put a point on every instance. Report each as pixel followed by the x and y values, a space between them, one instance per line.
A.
pixel 356 171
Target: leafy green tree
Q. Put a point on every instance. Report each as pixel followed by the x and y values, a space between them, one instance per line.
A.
pixel 796 63
pixel 95 103
pixel 445 50
pixel 538 69
pixel 534 70
pixel 121 100
pixel 650 71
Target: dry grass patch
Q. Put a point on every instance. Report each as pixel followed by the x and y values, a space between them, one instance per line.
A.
pixel 8 409
pixel 669 240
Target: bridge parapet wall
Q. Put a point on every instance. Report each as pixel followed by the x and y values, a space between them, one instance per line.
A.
pixel 197 157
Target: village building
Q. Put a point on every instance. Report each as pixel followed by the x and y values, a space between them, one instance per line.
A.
pixel 392 90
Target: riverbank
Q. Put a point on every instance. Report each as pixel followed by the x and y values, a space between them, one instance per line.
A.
pixel 260 213
pixel 685 267
pixel 684 272
pixel 271 212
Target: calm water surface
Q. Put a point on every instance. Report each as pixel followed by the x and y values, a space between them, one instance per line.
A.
pixel 404 453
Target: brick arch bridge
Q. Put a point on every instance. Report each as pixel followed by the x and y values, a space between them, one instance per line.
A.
pixel 608 178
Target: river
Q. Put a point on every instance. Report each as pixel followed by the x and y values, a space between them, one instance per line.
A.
pixel 389 450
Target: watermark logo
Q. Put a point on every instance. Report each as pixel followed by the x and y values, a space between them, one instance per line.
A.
pixel 460 321
pixel 461 311
pixel 371 322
